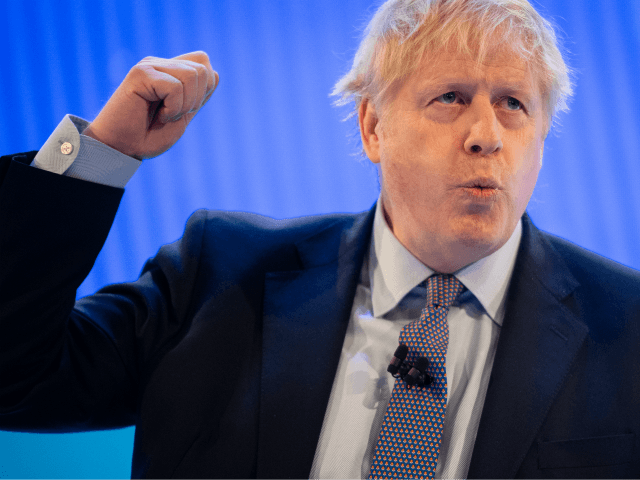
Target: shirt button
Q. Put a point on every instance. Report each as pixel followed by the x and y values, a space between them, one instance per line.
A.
pixel 66 148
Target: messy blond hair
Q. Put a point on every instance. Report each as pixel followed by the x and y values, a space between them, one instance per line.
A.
pixel 402 32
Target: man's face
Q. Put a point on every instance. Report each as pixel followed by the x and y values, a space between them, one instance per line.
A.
pixel 459 150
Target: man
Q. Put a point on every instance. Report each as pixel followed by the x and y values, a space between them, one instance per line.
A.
pixel 240 351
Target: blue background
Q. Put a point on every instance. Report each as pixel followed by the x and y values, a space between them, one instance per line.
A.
pixel 270 142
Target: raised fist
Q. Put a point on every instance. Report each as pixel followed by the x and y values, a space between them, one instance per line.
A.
pixel 152 107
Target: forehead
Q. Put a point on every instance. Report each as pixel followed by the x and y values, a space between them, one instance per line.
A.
pixel 500 70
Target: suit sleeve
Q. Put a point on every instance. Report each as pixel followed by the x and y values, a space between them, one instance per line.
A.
pixel 67 366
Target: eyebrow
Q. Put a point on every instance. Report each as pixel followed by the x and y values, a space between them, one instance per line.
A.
pixel 500 90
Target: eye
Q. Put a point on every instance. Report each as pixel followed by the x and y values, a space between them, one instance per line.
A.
pixel 511 103
pixel 448 98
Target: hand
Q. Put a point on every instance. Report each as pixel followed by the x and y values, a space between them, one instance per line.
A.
pixel 152 107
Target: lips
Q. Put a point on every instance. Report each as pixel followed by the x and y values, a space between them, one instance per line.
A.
pixel 481 189
pixel 482 183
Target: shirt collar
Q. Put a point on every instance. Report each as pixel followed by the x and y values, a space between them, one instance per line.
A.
pixel 394 271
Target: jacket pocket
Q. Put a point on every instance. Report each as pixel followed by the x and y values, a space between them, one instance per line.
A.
pixel 586 452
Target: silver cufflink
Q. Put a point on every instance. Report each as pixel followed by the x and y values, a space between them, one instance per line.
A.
pixel 66 148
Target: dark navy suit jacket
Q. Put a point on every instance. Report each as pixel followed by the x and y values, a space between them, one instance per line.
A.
pixel 224 351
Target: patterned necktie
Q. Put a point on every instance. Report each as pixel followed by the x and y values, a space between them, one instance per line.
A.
pixel 409 441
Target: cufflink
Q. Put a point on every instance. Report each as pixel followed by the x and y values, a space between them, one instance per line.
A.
pixel 66 148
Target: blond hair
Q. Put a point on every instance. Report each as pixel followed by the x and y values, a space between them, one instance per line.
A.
pixel 402 32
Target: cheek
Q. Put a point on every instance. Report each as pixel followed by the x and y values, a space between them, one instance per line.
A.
pixel 417 159
pixel 418 145
pixel 528 175
pixel 398 157
pixel 400 180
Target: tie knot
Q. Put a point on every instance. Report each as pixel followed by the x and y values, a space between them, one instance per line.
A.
pixel 442 290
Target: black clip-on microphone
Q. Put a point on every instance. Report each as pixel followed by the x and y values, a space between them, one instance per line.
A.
pixel 412 374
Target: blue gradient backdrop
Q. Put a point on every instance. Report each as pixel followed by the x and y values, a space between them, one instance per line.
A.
pixel 270 142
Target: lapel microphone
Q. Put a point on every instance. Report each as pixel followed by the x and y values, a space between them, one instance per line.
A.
pixel 411 374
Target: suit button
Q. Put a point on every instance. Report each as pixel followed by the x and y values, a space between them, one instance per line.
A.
pixel 66 148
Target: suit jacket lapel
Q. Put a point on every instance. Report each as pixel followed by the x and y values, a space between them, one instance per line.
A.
pixel 306 313
pixel 539 338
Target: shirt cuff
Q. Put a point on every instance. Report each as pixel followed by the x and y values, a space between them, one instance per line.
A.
pixel 68 152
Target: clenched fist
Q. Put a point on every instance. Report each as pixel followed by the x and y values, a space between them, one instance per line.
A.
pixel 152 107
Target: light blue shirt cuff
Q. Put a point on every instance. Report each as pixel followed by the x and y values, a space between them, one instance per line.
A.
pixel 68 152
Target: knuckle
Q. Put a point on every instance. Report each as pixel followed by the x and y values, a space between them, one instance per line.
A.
pixel 137 71
pixel 203 59
pixel 201 56
pixel 201 70
pixel 177 88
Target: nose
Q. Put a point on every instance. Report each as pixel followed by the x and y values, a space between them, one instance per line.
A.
pixel 484 131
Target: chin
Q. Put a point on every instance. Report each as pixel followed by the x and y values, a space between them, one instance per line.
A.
pixel 480 234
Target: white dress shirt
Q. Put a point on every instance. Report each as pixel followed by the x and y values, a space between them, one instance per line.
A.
pixel 388 297
pixel 68 152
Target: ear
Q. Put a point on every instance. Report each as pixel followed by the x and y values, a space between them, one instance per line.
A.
pixel 368 121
